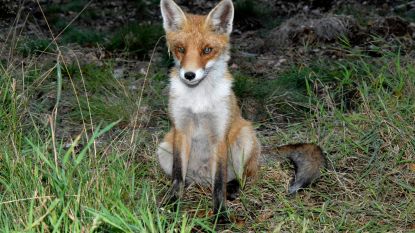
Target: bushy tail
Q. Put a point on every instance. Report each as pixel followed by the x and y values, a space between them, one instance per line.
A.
pixel 308 160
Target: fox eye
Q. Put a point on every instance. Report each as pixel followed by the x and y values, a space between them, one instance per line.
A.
pixel 180 49
pixel 207 50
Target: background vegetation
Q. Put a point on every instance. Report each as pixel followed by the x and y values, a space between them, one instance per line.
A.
pixel 83 105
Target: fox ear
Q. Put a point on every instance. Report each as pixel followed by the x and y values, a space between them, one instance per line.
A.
pixel 173 16
pixel 221 17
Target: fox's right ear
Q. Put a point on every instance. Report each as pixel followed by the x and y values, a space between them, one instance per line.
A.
pixel 173 16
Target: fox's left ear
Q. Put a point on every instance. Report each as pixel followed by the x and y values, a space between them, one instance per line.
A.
pixel 221 17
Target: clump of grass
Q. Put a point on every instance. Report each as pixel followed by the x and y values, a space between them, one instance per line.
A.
pixel 54 11
pixel 106 109
pixel 98 79
pixel 359 13
pixel 37 46
pixel 143 7
pixel 292 81
pixel 136 38
pixel 248 8
pixel 249 15
pixel 74 6
pixel 286 93
pixel 75 34
pixel 102 99
pixel 291 92
pixel 297 90
pixel 84 37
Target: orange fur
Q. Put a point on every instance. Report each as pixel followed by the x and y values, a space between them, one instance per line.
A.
pixel 194 37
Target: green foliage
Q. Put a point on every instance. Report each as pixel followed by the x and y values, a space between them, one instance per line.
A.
pixel 360 14
pixel 82 36
pixel 341 81
pixel 249 8
pixel 75 34
pixel 103 101
pixel 74 6
pixel 31 47
pixel 136 38
pixel 106 108
pixel 96 78
pixel 292 81
pixel 287 92
pixel 142 7
pixel 247 11
pixel 133 37
pixel 406 14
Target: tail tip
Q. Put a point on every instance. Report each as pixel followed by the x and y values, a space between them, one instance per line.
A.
pixel 297 185
pixel 292 190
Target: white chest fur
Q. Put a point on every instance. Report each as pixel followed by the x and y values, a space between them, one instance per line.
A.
pixel 208 100
pixel 202 113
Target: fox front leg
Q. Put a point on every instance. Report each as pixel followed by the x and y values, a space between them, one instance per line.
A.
pixel 178 175
pixel 219 182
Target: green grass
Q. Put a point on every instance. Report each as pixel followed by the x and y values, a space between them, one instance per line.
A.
pixel 136 38
pixel 77 149
pixel 295 91
pixel 359 13
pixel 81 191
pixel 82 36
pixel 105 178
pixel 37 46
pixel 75 6
pixel 80 184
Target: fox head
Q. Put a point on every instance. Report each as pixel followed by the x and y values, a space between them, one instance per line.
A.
pixel 198 43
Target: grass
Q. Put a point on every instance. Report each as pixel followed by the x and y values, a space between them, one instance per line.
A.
pixel 77 147
pixel 246 10
pixel 85 37
pixel 75 6
pixel 57 177
pixel 136 38
pixel 30 47
pixel 105 178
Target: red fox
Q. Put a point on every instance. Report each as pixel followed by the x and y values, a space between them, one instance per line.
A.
pixel 210 143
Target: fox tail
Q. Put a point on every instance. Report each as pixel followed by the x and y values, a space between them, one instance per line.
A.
pixel 308 160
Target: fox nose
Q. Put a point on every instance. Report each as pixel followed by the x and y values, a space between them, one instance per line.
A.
pixel 189 75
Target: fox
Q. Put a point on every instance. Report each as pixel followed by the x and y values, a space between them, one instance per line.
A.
pixel 209 142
